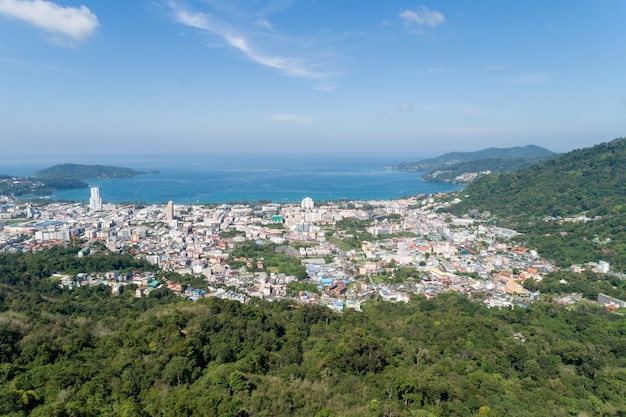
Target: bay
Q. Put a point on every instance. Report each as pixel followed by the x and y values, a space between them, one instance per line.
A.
pixel 281 178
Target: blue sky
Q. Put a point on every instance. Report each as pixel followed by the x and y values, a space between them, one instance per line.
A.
pixel 407 78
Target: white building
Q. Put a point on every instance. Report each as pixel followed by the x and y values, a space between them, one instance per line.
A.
pixel 307 203
pixel 95 202
pixel 169 211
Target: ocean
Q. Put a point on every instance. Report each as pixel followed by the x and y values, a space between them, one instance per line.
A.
pixel 281 179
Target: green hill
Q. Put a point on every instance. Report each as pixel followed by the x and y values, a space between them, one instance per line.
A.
pixel 88 352
pixel 542 201
pixel 78 171
pixel 463 167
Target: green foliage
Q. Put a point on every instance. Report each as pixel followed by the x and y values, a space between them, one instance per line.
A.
pixel 353 234
pixel 588 283
pixel 88 352
pixel 351 224
pixel 272 258
pixel 33 270
pixel 21 186
pixel 64 183
pixel 294 288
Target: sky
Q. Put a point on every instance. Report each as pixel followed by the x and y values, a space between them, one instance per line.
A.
pixel 406 78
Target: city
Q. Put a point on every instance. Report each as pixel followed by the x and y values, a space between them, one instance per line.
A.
pixel 405 247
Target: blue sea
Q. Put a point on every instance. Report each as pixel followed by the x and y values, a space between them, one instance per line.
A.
pixel 223 179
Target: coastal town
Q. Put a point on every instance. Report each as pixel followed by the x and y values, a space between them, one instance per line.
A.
pixel 346 251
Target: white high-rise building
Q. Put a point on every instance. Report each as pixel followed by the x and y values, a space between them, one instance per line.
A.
pixel 307 203
pixel 169 211
pixel 95 202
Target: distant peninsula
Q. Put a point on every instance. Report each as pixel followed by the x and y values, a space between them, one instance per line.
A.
pixel 61 177
pixel 464 167
pixel 85 172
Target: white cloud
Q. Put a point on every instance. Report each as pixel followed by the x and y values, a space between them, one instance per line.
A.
pixel 496 67
pixel 293 118
pixel 75 23
pixel 292 67
pixel 289 66
pixel 264 24
pixel 405 106
pixel 422 16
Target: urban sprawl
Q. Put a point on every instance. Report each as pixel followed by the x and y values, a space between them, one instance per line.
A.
pixel 441 251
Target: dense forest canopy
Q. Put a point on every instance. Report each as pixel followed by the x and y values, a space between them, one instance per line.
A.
pixel 90 353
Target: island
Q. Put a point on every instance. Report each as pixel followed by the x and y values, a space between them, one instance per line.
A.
pixel 83 172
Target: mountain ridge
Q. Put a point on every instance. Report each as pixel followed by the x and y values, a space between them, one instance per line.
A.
pixel 570 207
pixel 464 167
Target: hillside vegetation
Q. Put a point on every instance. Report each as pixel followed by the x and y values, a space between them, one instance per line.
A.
pixel 90 353
pixel 465 166
pixel 541 200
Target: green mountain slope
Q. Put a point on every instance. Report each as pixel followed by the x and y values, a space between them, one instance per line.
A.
pixel 587 180
pixel 538 200
pixel 90 353
pixel 466 166
pixel 78 171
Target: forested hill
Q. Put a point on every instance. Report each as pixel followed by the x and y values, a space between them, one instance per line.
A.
pixel 78 171
pixel 465 166
pixel 586 181
pixel 87 352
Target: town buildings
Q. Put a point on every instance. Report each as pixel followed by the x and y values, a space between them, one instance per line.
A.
pixel 440 252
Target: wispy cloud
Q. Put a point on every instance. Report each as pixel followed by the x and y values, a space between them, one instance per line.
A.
pixel 290 66
pixel 405 107
pixel 289 117
pixel 71 23
pixel 264 24
pixel 422 16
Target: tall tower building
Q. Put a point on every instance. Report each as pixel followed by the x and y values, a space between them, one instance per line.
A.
pixel 169 211
pixel 307 203
pixel 95 202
